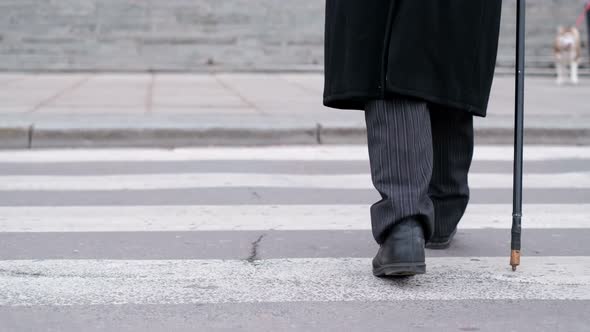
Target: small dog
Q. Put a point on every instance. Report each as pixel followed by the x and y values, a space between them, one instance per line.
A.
pixel 567 52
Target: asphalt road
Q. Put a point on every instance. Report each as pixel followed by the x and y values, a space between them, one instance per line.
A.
pixel 277 238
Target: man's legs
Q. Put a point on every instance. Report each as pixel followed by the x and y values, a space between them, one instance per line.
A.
pixel 400 153
pixel 452 136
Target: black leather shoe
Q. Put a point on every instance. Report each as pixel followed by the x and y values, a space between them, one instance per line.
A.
pixel 402 253
pixel 438 243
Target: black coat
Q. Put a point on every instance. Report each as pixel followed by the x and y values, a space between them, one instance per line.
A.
pixel 441 51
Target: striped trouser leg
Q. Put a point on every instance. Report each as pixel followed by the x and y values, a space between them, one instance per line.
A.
pixel 452 139
pixel 400 153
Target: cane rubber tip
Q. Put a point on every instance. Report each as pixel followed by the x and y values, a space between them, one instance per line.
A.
pixel 515 259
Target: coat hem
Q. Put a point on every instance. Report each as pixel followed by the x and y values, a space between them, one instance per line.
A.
pixel 475 110
pixel 357 100
pixel 350 100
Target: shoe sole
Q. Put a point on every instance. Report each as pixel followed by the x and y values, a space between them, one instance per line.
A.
pixel 399 270
pixel 438 245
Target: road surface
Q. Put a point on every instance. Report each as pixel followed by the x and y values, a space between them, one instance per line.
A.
pixel 277 238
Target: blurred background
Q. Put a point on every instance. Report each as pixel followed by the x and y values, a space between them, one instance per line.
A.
pixel 205 72
pixel 168 165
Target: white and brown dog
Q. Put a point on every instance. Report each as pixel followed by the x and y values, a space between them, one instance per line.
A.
pixel 567 53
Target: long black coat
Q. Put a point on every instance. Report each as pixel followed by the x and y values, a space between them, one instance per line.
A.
pixel 441 51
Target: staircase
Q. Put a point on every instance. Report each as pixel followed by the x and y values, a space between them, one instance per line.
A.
pixel 213 35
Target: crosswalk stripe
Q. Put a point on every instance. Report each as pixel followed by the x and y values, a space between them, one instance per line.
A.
pixel 81 253
pixel 220 180
pixel 261 217
pixel 98 282
pixel 344 153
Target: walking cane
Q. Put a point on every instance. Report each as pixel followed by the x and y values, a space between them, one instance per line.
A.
pixel 518 136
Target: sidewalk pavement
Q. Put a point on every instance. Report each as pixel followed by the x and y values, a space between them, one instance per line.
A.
pixel 170 110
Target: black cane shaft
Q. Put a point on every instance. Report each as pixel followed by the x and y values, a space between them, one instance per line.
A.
pixel 519 121
pixel 518 135
pixel 515 243
pixel 588 26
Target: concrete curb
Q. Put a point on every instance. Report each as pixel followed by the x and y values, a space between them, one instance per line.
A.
pixel 27 137
pixel 170 137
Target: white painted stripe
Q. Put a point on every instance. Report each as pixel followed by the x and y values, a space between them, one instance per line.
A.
pixel 220 180
pixel 346 152
pixel 264 217
pixel 560 180
pixel 99 282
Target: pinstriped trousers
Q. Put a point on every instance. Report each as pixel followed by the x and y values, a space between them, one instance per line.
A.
pixel 420 156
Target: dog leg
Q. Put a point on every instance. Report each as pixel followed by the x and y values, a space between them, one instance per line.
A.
pixel 560 72
pixel 574 72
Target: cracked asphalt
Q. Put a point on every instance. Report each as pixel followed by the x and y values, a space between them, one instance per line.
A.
pixel 103 252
